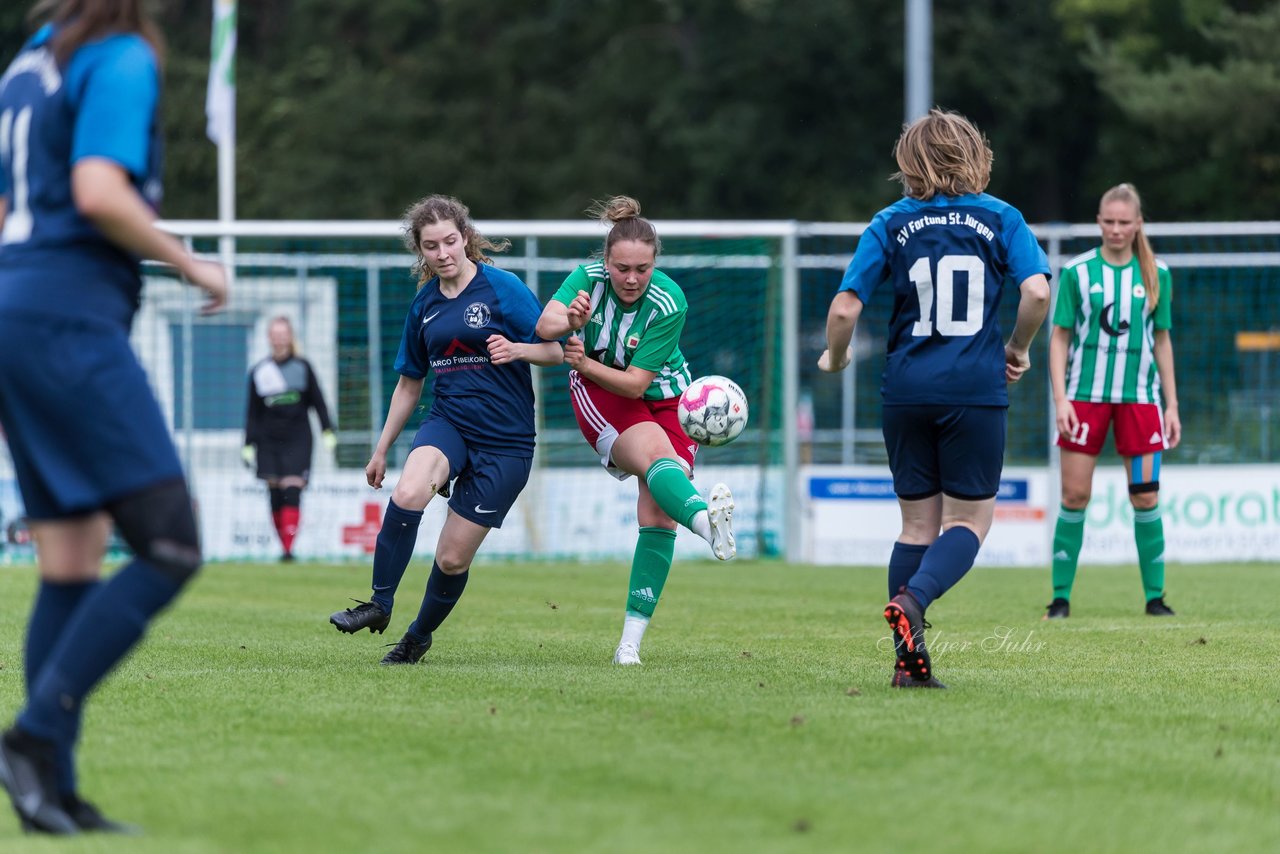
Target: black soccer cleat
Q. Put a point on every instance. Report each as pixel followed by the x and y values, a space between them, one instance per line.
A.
pixel 28 773
pixel 90 820
pixel 906 619
pixel 902 678
pixel 1157 608
pixel 407 651
pixel 1058 609
pixel 365 615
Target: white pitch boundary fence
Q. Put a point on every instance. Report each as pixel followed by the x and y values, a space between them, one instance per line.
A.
pixel 788 233
pixel 793 500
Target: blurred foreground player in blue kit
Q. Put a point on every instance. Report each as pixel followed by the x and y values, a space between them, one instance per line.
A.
pixel 79 179
pixel 947 249
pixel 471 326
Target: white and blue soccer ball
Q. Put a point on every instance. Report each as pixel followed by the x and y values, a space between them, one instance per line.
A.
pixel 713 410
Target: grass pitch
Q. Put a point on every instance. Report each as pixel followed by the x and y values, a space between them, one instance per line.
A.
pixel 762 719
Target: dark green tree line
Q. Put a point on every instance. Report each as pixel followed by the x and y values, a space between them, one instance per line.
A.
pixel 717 108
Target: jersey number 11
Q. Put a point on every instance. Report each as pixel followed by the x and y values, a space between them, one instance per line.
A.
pixel 13 149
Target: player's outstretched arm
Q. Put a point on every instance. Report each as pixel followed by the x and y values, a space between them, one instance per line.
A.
pixel 103 193
pixel 1033 306
pixel 503 351
pixel 403 400
pixel 1162 349
pixel 842 319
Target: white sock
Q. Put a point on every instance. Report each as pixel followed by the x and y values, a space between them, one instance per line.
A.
pixel 701 525
pixel 633 629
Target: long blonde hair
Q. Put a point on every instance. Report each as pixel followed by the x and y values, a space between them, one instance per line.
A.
pixel 1141 246
pixel 436 209
pixel 942 152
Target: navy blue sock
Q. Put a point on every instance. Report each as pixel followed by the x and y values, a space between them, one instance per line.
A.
pixel 903 564
pixel 54 605
pixel 443 592
pixel 108 623
pixel 392 551
pixel 945 563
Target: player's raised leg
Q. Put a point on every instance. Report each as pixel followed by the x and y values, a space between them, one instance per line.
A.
pixel 645 449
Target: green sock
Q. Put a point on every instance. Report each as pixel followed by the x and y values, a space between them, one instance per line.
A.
pixel 1148 532
pixel 649 569
pixel 1068 536
pixel 673 491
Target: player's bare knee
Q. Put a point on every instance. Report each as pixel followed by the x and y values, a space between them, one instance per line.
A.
pixel 1076 499
pixel 452 564
pixel 412 496
pixel 158 523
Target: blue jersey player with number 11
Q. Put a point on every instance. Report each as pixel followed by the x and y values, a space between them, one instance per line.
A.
pixel 79 180
pixel 947 250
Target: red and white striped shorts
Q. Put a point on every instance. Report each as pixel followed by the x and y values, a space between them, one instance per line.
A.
pixel 604 416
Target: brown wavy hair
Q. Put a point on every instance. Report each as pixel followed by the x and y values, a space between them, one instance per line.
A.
pixel 623 213
pixel 81 21
pixel 435 209
pixel 942 152
pixel 1141 245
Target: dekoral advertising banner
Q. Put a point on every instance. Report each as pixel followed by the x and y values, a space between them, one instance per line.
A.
pixel 1211 514
pixel 848 516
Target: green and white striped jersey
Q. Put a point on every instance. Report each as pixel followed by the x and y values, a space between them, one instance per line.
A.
pixel 646 334
pixel 1111 359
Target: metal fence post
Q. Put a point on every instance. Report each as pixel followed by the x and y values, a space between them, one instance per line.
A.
pixel 374 327
pixel 790 391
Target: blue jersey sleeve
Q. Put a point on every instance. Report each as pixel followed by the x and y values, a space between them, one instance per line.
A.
pixel 520 307
pixel 116 87
pixel 870 264
pixel 412 360
pixel 1026 258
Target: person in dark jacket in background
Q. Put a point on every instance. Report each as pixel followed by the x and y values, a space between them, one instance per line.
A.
pixel 277 429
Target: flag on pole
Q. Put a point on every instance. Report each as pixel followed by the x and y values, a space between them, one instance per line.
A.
pixel 220 101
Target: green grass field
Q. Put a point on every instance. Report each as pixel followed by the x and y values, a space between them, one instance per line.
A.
pixel 762 719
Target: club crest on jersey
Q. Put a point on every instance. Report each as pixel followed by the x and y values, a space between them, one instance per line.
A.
pixel 633 341
pixel 1139 292
pixel 476 315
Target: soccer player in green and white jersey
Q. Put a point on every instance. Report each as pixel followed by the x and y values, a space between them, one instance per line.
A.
pixel 1111 357
pixel 627 374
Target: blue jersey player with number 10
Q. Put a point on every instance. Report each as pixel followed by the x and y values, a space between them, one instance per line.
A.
pixel 79 179
pixel 947 250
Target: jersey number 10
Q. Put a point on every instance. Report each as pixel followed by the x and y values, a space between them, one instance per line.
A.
pixel 14 133
pixel 948 265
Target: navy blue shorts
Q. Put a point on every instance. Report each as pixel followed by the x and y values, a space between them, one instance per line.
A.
pixel 485 485
pixel 956 450
pixel 81 421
